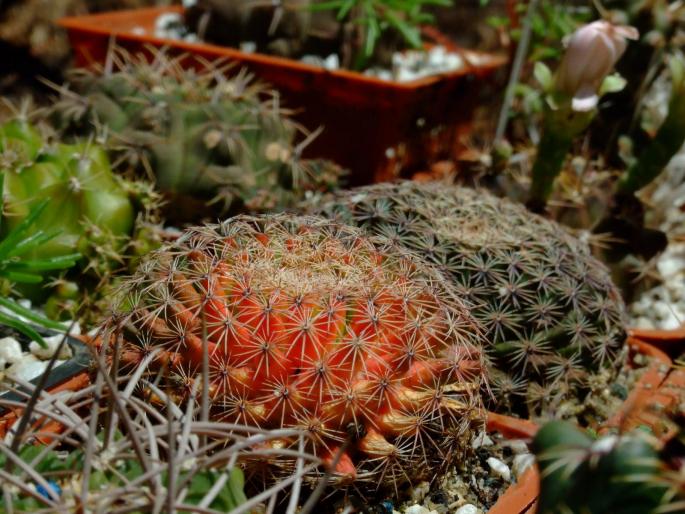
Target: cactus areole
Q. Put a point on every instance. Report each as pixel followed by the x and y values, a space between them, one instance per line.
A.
pixel 309 324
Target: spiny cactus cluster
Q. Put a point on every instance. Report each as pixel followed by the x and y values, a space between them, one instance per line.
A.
pixel 549 308
pixel 624 474
pixel 195 133
pixel 308 324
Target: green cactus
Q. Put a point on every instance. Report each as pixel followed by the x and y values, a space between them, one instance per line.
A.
pixel 69 193
pixel 83 195
pixel 17 267
pixel 549 308
pixel 227 141
pixel 617 474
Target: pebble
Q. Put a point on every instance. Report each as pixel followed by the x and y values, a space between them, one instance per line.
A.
pixel 169 25
pixel 499 468
pixel 518 446
pixel 332 62
pixel 10 351
pixel 415 64
pixel 52 343
pixel 420 491
pixel 605 444
pixel 419 509
pixel 663 306
pixel 481 440
pixel 28 368
pixel 249 47
pixel 521 463
pixel 467 509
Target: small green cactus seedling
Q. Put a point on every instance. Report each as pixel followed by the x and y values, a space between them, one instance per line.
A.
pixel 550 311
pixel 617 474
pixel 227 141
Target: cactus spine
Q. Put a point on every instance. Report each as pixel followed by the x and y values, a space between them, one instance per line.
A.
pixel 549 308
pixel 227 140
pixel 311 325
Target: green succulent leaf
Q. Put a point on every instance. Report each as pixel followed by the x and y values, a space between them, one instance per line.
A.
pixel 31 315
pixel 22 328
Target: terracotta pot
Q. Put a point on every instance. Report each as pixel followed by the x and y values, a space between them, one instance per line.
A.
pixel 373 127
pixel 520 497
pixel 671 342
pixel 660 388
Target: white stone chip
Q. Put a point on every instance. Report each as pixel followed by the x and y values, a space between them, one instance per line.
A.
pixel 28 368
pixel 481 440
pixel 467 509
pixel 521 463
pixel 499 468
pixel 518 446
pixel 10 351
pixel 52 345
pixel 418 509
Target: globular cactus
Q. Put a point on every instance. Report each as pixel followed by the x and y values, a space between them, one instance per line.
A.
pixel 619 474
pixel 549 308
pixel 308 324
pixel 87 209
pixel 226 140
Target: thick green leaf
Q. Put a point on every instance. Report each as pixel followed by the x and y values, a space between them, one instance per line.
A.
pixel 31 315
pixel 19 232
pixel 22 328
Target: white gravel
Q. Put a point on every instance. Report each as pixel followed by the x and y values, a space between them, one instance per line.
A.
pixel 467 509
pixel 52 344
pixel 499 468
pixel 10 351
pixel 663 306
pixel 16 363
pixel 406 66
pixel 522 463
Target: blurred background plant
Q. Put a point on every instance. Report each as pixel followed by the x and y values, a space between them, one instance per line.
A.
pixel 616 177
pixel 621 474
pixel 362 33
pixel 213 145
pixel 372 22
pixel 74 217
pixel 40 48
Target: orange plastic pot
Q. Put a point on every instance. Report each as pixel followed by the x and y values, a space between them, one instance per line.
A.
pixel 520 497
pixel 371 126
pixel 660 388
pixel 671 342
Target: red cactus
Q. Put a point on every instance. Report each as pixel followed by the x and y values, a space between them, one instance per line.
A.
pixel 307 323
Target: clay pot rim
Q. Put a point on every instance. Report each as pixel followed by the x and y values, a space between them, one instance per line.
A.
pixel 98 24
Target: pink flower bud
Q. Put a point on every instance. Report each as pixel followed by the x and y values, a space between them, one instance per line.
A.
pixel 591 54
